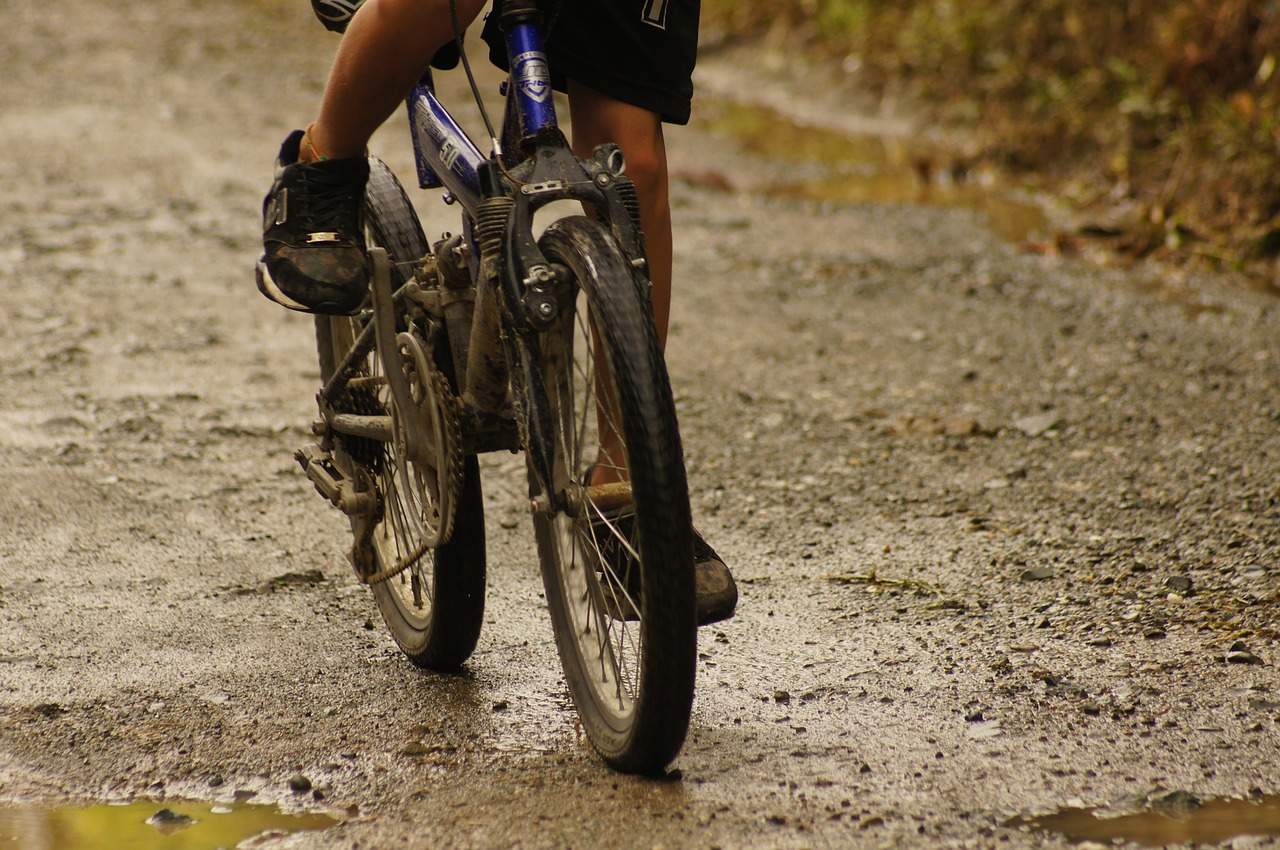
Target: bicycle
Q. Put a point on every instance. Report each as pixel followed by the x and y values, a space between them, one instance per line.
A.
pixel 492 340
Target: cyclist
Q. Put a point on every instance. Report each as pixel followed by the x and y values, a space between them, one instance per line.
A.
pixel 626 67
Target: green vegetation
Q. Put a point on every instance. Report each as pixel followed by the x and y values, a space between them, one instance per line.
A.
pixel 1167 111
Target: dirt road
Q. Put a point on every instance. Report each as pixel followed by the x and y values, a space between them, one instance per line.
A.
pixel 1005 522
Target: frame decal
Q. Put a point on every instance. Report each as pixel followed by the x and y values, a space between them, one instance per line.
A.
pixel 530 73
pixel 655 13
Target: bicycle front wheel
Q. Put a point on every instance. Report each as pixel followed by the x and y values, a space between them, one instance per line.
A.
pixel 616 555
pixel 430 593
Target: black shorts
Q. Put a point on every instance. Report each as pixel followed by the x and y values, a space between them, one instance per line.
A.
pixel 640 52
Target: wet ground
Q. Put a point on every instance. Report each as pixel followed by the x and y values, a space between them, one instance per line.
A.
pixel 1004 520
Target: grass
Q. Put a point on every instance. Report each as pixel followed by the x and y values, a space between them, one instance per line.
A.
pixel 1167 112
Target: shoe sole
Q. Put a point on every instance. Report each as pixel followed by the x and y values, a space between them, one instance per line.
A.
pixel 717 605
pixel 268 287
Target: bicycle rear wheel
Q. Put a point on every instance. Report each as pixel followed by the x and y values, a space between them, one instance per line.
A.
pixel 616 558
pixel 430 595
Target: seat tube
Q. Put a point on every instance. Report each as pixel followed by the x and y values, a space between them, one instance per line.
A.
pixel 530 75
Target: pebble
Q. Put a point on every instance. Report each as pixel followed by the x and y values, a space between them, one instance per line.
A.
pixel 299 783
pixel 1177 800
pixel 1240 654
pixel 983 730
pixel 961 426
pixel 170 819
pixel 1036 574
pixel 1037 425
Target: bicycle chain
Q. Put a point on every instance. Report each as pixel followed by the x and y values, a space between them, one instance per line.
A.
pixel 433 389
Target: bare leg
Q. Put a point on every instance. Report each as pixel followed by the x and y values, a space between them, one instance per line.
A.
pixel 598 118
pixel 384 51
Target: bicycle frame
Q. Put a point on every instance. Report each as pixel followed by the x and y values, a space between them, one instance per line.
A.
pixel 500 194
pixel 491 339
pixel 444 153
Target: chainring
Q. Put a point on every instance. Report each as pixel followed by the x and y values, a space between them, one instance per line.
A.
pixel 438 468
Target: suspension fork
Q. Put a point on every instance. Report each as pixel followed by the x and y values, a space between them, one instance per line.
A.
pixel 530 286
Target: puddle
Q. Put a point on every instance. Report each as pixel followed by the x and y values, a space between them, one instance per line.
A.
pixel 871 169
pixel 148 826
pixel 1208 822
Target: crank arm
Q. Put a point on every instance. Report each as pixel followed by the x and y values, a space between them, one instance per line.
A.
pixel 380 428
pixel 537 423
pixel 608 499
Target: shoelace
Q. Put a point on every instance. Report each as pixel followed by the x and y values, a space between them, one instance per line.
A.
pixel 332 200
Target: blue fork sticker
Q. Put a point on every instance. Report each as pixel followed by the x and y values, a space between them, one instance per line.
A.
pixel 532 76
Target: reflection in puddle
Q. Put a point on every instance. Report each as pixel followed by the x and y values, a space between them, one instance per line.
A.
pixel 149 825
pixel 870 168
pixel 1210 822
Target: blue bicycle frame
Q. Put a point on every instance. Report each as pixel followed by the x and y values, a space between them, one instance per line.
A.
pixel 445 155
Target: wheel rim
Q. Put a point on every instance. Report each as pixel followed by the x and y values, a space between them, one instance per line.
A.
pixel 594 556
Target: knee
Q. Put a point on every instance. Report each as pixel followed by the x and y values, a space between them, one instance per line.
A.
pixel 424 24
pixel 599 118
pixel 646 164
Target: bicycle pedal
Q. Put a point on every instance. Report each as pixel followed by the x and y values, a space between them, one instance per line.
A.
pixel 332 484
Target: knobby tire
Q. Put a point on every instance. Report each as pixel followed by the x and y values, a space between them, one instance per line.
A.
pixel 618 571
